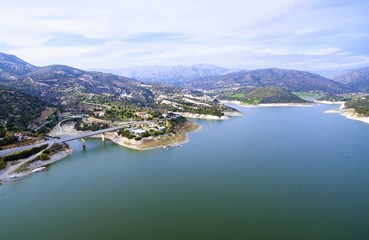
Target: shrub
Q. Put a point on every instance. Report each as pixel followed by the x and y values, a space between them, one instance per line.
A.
pixel 138 138
pixel 24 154
pixel 44 157
pixel 2 164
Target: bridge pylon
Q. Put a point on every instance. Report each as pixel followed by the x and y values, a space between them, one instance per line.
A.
pixel 83 142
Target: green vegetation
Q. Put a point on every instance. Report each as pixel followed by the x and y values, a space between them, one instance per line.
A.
pixel 215 111
pixel 55 148
pixel 360 105
pixel 18 110
pixel 22 168
pixel 8 138
pixel 82 126
pixel 2 163
pixel 313 94
pixel 238 95
pixel 52 121
pixel 173 123
pixel 2 132
pixel 44 157
pixel 126 133
pixel 334 98
pixel 258 95
pixel 120 114
pixel 207 109
pixel 23 154
pixel 252 101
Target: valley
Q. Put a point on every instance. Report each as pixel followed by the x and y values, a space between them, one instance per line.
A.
pixel 37 102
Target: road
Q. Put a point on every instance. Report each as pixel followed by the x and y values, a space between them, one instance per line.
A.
pixel 93 133
pixel 71 138
pixel 5 174
pixel 19 149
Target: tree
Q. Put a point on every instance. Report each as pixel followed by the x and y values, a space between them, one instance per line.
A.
pixel 9 138
pixel 2 164
pixel 44 157
pixel 2 132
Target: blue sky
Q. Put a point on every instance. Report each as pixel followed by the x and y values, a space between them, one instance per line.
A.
pixel 309 35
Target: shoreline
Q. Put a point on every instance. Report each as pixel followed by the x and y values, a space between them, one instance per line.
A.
pixel 202 116
pixel 270 104
pixel 145 144
pixel 163 141
pixel 148 143
pixel 32 165
pixel 329 102
pixel 348 113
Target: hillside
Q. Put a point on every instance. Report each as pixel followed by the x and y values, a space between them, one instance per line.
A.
pixel 262 95
pixel 360 105
pixel 18 110
pixel 77 91
pixel 292 80
pixel 60 84
pixel 357 79
pixel 172 75
pixel 12 65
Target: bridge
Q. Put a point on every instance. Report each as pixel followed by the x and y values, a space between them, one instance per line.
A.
pixel 94 133
pixel 89 134
pixel 81 136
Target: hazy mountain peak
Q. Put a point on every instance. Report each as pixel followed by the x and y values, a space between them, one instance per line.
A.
pixel 171 74
pixel 14 65
pixel 357 79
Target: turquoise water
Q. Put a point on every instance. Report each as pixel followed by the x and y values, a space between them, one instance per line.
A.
pixel 276 173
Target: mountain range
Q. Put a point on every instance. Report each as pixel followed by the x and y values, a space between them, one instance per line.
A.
pixel 25 86
pixel 292 80
pixel 356 79
pixel 58 84
pixel 207 76
pixel 171 74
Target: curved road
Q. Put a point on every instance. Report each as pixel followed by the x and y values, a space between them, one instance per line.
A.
pixel 19 149
pixel 5 174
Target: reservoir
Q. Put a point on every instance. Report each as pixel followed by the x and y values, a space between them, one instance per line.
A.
pixel 276 173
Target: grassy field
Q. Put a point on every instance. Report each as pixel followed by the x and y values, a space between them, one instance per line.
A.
pixel 308 94
pixel 237 95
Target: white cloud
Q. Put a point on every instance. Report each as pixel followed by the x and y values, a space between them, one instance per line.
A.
pixel 116 33
pixel 319 51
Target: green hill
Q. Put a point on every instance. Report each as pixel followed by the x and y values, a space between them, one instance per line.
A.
pixel 18 110
pixel 263 95
pixel 360 105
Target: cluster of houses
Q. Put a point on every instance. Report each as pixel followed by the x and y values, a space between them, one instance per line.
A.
pixel 146 128
pixel 143 115
pixel 153 126
pixel 99 114
pixel 142 130
pixel 170 115
pixel 21 136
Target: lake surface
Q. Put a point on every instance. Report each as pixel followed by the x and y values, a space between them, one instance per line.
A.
pixel 276 173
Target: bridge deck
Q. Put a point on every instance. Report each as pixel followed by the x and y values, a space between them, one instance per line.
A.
pixel 71 138
pixel 89 134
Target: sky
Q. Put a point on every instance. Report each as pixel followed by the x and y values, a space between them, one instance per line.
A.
pixel 313 35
